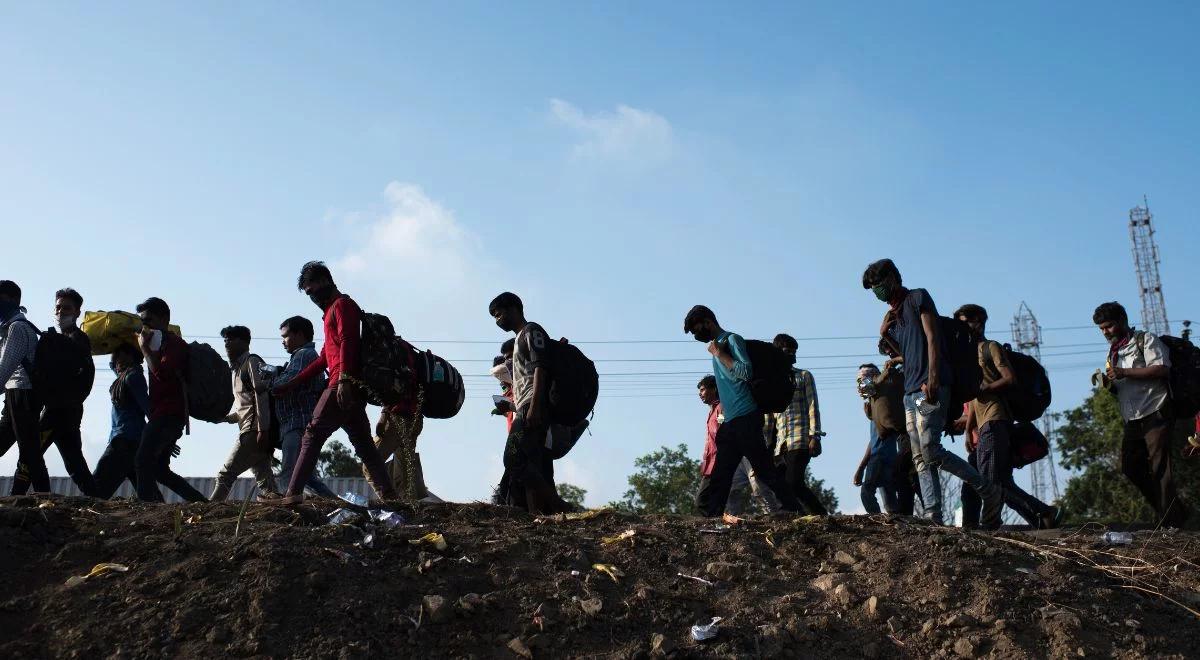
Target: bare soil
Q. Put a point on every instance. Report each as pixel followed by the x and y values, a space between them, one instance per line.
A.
pixel 288 584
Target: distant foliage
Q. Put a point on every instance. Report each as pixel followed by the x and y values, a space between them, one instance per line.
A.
pixel 666 481
pixel 572 494
pixel 336 460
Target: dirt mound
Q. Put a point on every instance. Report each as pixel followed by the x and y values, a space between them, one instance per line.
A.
pixel 509 585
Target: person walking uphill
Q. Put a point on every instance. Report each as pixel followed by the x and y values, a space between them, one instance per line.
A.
pixel 912 322
pixel 19 419
pixel 341 404
pixel 253 449
pixel 1137 371
pixel 294 410
pixel 166 354
pixel 796 432
pixel 740 435
pixel 528 469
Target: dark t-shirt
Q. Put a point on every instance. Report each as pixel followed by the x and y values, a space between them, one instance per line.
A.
pixel 909 335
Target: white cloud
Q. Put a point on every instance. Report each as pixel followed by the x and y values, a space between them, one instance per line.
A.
pixel 628 134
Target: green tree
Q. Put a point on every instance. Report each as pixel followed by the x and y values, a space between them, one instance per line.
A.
pixel 572 494
pixel 1088 439
pixel 336 460
pixel 665 482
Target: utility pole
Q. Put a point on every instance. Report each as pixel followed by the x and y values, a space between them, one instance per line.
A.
pixel 1145 264
pixel 1027 338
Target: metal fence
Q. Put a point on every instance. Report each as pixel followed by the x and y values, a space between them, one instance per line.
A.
pixel 243 486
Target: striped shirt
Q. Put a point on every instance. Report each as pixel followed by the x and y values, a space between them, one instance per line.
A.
pixel 295 408
pixel 18 342
pixel 791 429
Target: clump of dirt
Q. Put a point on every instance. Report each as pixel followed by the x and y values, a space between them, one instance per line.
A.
pixel 504 584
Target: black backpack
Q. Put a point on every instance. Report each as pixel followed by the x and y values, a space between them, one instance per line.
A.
pixel 1184 378
pixel 1029 398
pixel 209 387
pixel 574 384
pixel 387 370
pixel 962 354
pixel 771 383
pixel 444 389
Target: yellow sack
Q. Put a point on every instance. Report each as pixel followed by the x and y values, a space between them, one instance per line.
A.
pixel 107 330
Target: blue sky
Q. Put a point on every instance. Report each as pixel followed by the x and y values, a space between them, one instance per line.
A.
pixel 614 164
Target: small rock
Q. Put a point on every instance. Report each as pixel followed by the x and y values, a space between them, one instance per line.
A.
pixel 435 608
pixel 471 603
pixel 828 582
pixel 843 596
pixel 660 645
pixel 958 620
pixel 727 571
pixel 928 627
pixel 218 634
pixel 591 606
pixel 1000 624
pixel 518 647
pixel 844 558
pixel 872 607
pixel 964 648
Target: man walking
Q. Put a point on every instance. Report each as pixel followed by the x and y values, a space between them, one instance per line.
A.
pixel 166 354
pixel 19 419
pixel 740 435
pixel 294 408
pixel 66 374
pixel 253 449
pixel 876 470
pixel 796 432
pixel 1137 370
pixel 341 404
pixel 989 429
pixel 912 322
pixel 743 478
pixel 527 464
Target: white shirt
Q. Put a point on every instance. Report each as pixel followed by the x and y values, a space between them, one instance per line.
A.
pixel 1140 398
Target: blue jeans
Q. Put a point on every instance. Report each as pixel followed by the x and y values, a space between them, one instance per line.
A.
pixel 929 456
pixel 878 476
pixel 291 438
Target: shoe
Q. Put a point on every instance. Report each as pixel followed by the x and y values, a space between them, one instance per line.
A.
pixel 993 505
pixel 1052 518
pixel 268 496
pixel 285 500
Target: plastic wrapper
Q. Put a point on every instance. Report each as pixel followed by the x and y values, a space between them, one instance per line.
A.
pixel 707 631
pixel 339 516
pixel 388 519
pixel 356 500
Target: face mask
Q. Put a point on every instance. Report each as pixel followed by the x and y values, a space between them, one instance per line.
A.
pixel 64 321
pixel 883 292
pixel 321 294
pixel 703 335
pixel 791 359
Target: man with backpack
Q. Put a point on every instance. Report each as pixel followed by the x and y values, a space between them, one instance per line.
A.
pixel 796 433
pixel 166 355
pixel 252 413
pixel 740 435
pixel 989 426
pixel 19 419
pixel 744 478
pixel 876 469
pixel 294 409
pixel 1137 371
pixel 341 405
pixel 63 377
pixel 527 463
pixel 130 405
pixel 912 322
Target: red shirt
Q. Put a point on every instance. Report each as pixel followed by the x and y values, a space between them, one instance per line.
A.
pixel 340 352
pixel 709 460
pixel 166 381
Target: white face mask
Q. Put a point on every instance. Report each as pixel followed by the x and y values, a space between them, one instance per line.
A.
pixel 64 322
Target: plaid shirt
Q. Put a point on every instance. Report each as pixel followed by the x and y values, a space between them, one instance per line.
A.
pixel 791 429
pixel 295 408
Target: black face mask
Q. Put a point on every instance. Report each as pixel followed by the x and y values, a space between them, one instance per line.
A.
pixel 703 335
pixel 790 358
pixel 321 294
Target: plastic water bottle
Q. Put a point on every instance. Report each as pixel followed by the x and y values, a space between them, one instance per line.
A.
pixel 1117 538
pixel 924 407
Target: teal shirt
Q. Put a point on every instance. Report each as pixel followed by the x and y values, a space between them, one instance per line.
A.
pixel 733 385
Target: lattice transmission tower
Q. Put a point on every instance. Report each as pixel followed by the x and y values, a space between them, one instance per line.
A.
pixel 1145 263
pixel 1027 338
